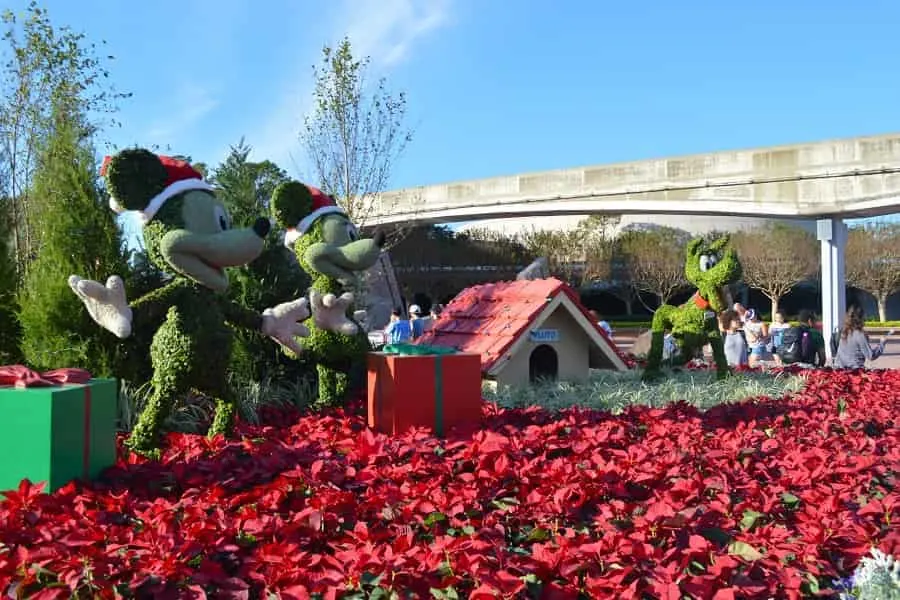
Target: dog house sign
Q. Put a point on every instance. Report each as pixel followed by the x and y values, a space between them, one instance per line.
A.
pixel 544 336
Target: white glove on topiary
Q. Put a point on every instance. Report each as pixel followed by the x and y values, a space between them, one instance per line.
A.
pixel 283 323
pixel 330 312
pixel 107 304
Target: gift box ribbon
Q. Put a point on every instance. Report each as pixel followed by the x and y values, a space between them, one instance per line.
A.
pixel 425 350
pixel 22 377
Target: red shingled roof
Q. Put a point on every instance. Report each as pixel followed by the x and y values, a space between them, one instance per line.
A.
pixel 488 318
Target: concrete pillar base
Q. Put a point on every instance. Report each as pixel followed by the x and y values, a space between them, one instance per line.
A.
pixel 832 234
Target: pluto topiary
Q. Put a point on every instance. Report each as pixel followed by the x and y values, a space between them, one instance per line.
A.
pixel 188 234
pixel 712 268
pixel 329 249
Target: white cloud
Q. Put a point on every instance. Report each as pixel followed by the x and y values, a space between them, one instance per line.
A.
pixel 190 102
pixel 385 30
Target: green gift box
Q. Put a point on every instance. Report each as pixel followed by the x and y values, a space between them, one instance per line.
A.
pixel 57 433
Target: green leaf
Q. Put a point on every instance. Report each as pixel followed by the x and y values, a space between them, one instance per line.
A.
pixel 380 593
pixel 745 452
pixel 715 535
pixel 444 594
pixel 538 534
pixel 790 500
pixel 434 517
pixel 811 585
pixel 505 503
pixel 749 519
pixel 744 550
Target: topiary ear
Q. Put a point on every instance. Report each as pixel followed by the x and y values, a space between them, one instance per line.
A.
pixel 291 201
pixel 720 243
pixel 134 176
pixel 694 246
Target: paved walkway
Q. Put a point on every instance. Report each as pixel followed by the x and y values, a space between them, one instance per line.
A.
pixel 624 338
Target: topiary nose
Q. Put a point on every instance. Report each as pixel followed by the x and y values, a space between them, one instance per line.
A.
pixel 262 227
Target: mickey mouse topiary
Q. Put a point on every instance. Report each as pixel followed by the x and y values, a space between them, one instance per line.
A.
pixel 329 249
pixel 712 268
pixel 188 234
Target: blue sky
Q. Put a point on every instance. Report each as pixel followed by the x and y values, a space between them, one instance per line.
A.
pixel 498 87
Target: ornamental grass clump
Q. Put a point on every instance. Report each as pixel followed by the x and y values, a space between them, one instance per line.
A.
pixel 615 391
pixel 194 412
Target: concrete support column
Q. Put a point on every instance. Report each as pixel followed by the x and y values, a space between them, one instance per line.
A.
pixel 832 234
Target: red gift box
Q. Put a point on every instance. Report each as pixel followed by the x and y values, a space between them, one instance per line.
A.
pixel 438 391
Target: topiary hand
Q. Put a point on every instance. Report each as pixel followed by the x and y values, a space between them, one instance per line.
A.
pixel 107 304
pixel 330 312
pixel 282 323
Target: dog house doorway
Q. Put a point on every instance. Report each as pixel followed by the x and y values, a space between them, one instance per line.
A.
pixel 543 364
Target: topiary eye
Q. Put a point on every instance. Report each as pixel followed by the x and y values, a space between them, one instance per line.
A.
pixel 352 232
pixel 222 218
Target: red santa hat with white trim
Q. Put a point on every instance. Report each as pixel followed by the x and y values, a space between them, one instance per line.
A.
pixel 141 181
pixel 322 204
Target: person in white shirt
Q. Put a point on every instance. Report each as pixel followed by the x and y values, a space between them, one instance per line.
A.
pixel 757 335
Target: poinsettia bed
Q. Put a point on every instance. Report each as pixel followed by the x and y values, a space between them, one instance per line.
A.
pixel 767 498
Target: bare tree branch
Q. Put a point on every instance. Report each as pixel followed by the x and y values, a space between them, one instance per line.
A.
pixel 652 259
pixel 873 262
pixel 356 132
pixel 579 256
pixel 776 258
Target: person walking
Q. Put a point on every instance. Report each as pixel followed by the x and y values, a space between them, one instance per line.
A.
pixel 853 350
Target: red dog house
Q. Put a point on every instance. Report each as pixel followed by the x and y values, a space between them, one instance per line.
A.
pixel 524 331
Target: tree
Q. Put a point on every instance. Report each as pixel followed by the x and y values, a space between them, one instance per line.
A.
pixel 560 248
pixel 776 258
pixel 439 262
pixel 873 262
pixel 652 260
pixel 598 245
pixel 43 66
pixel 246 187
pixel 78 236
pixel 10 332
pixel 579 256
pixel 356 131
